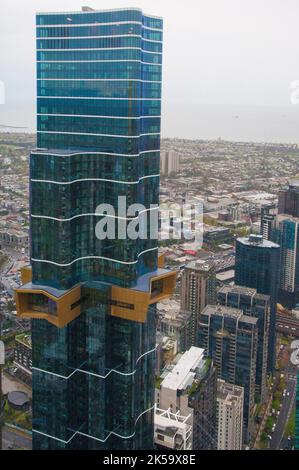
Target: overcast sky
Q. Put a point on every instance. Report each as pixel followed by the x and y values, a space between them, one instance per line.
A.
pixel 224 52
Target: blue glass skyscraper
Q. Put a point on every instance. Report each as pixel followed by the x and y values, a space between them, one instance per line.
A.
pixel 257 266
pixel 92 299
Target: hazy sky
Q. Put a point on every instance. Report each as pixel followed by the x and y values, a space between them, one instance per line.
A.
pixel 216 52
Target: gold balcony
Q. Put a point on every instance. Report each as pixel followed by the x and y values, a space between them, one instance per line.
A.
pixel 132 304
pixel 45 303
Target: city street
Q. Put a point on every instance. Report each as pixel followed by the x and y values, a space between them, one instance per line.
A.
pixel 15 440
pixel 288 404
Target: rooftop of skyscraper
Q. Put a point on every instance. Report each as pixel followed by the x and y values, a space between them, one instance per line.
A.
pixel 201 265
pixel 228 312
pixel 242 290
pixel 283 217
pixel 258 241
pixel 228 392
pixel 86 9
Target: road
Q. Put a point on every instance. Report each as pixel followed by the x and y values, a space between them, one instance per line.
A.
pixel 287 325
pixel 15 440
pixel 286 409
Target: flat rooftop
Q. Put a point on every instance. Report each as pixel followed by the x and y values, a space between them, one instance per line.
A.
pixel 201 265
pixel 86 9
pixel 228 392
pixel 257 241
pixel 184 371
pixel 242 290
pixel 228 312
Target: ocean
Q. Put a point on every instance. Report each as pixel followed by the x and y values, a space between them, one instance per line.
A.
pixel 192 121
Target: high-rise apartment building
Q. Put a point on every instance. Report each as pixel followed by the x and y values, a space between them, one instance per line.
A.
pixel 190 389
pixel 172 322
pixel 258 306
pixel 170 162
pixel 257 266
pixel 283 229
pixel 230 338
pixel 23 357
pixel 230 401
pixel 198 289
pixel 286 233
pixel 268 216
pixel 280 225
pixel 288 199
pixel 92 297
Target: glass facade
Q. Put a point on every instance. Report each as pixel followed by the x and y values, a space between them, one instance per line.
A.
pixel 285 233
pixel 257 306
pixel 230 339
pixel 98 125
pixel 257 266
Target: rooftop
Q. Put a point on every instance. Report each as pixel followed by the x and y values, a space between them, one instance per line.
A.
pixel 91 10
pixel 201 265
pixel 258 241
pixel 228 392
pixel 183 372
pixel 228 312
pixel 242 290
pixel 25 339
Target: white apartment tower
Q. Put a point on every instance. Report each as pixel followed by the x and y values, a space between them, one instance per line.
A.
pixel 230 400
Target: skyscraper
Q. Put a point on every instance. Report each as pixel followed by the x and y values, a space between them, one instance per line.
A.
pixel 257 266
pixel 230 338
pixel 198 289
pixel 91 297
pixel 258 306
pixel 268 215
pixel 286 233
pixel 170 162
pixel 288 199
pixel 230 400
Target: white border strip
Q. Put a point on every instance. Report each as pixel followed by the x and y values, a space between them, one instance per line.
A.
pixel 128 263
pixel 43 152
pixel 92 61
pixel 99 117
pixel 51 38
pixel 47 217
pixel 96 438
pixel 97 98
pixel 63 183
pixel 95 79
pixel 67 377
pixel 74 25
pixel 100 49
pixel 100 135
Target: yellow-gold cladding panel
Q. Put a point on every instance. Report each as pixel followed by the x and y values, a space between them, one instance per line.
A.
pixel 40 304
pixel 26 274
pixel 161 260
pixel 133 305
